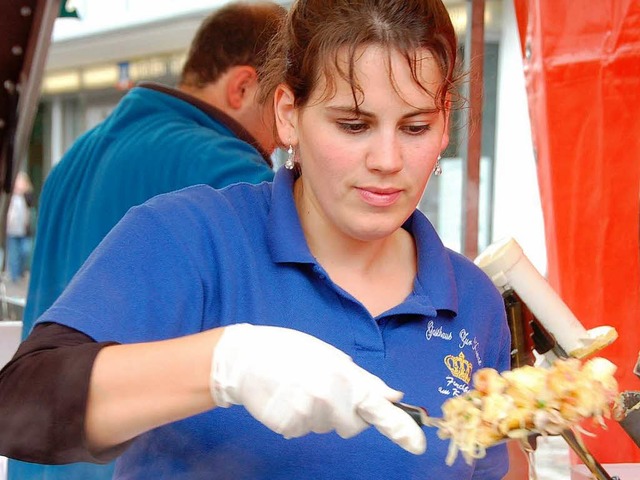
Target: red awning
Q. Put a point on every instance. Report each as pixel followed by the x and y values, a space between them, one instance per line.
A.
pixel 582 66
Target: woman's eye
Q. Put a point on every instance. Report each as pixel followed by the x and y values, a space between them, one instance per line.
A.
pixel 351 127
pixel 416 129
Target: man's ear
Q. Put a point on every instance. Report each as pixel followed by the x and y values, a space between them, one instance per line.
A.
pixel 286 115
pixel 241 85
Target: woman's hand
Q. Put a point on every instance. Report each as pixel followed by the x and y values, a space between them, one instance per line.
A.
pixel 296 384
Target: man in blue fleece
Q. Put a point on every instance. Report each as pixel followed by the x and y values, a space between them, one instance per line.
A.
pixel 209 130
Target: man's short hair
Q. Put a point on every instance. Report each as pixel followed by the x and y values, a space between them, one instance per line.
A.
pixel 236 34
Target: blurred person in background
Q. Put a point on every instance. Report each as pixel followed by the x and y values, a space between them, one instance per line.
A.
pixel 172 351
pixel 19 228
pixel 209 130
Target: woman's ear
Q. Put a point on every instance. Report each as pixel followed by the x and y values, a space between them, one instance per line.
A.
pixel 241 85
pixel 444 143
pixel 445 135
pixel 286 114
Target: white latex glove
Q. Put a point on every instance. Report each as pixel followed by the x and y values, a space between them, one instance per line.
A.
pixel 295 384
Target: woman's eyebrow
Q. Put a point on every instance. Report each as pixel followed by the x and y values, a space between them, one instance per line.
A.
pixel 422 111
pixel 349 110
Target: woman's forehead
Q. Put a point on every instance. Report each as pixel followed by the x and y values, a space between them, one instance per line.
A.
pixel 416 73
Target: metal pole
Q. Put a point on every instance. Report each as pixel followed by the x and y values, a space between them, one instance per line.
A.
pixel 25 92
pixel 474 53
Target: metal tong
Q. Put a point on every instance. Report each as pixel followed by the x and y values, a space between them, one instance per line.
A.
pixel 419 415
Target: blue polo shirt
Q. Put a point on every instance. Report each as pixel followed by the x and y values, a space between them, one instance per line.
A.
pixel 199 258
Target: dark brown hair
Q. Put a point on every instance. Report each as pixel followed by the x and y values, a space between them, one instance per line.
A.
pixel 317 32
pixel 236 34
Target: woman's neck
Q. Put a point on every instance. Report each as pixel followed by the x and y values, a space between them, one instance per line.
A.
pixel 379 273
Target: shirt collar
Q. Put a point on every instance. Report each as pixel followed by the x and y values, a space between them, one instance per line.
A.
pixel 284 233
pixel 215 113
pixel 434 286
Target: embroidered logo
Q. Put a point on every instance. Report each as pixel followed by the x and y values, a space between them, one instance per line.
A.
pixel 459 367
pixel 465 341
pixel 437 332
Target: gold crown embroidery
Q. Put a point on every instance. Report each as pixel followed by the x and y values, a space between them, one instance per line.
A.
pixel 459 366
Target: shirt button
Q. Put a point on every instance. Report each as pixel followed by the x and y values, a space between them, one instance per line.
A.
pixel 318 271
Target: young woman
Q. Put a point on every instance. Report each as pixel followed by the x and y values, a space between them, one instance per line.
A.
pixel 308 305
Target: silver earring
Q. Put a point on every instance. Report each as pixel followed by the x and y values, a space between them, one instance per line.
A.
pixel 437 169
pixel 289 164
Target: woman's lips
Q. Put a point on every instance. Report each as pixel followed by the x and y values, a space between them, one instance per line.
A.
pixel 379 197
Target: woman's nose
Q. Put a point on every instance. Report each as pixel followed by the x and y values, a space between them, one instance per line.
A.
pixel 385 154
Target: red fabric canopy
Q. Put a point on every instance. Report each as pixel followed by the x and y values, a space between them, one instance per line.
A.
pixel 582 67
